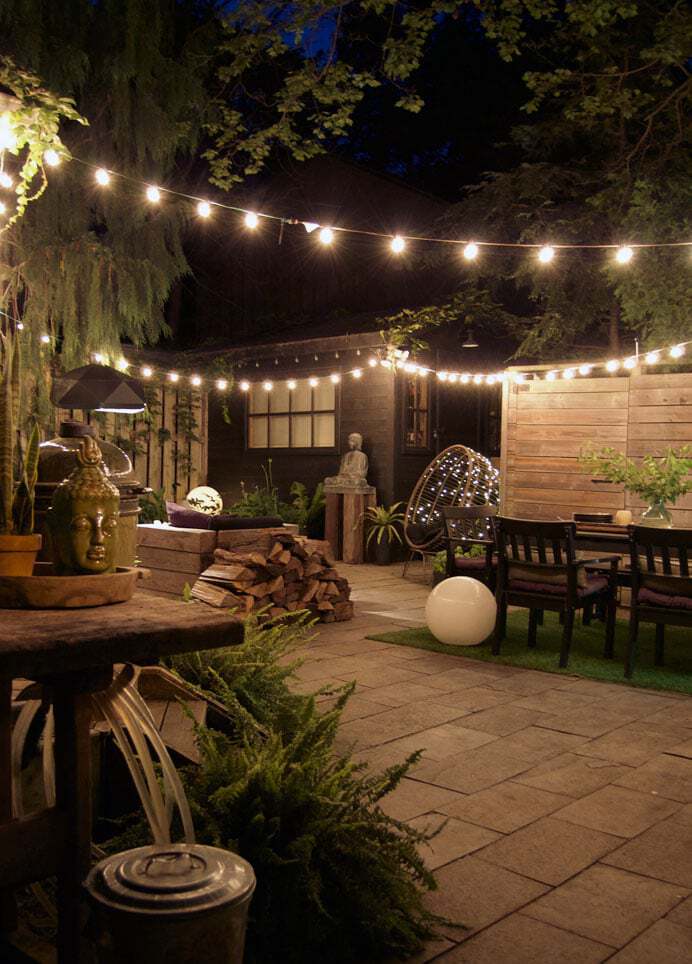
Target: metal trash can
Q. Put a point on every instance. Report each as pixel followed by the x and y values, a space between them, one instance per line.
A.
pixel 170 904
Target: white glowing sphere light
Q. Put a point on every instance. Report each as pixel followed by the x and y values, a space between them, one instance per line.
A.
pixel 461 611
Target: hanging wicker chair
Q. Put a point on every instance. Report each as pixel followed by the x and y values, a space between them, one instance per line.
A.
pixel 458 476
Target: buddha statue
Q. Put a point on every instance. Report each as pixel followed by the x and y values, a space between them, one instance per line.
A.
pixel 353 468
pixel 83 517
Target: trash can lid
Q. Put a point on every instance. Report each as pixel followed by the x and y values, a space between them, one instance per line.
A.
pixel 171 879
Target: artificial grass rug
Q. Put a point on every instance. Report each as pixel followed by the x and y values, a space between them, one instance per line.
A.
pixel 586 655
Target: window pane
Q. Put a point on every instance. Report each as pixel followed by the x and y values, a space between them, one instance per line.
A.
pixel 278 397
pixel 278 432
pixel 300 401
pixel 423 392
pixel 258 398
pixel 300 431
pixel 257 433
pixel 324 395
pixel 324 430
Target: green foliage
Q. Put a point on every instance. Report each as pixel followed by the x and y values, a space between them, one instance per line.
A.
pixel 23 503
pixel 663 479
pixel 309 509
pixel 440 558
pixel 152 507
pixel 305 511
pixel 16 501
pixel 383 523
pixel 337 879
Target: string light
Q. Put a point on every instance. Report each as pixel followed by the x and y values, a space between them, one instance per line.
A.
pixel 251 220
pixel 51 157
pixel 372 362
pixel 546 254
pixel 267 386
pixel 465 379
pixel 173 376
pixel 204 209
pixel 147 372
pixel 98 358
pixel 584 369
pixel 20 326
pixel 291 384
pixel 397 244
pixel 677 351
pixel 3 207
pixel 630 363
pixel 195 380
pixel 153 194
pixel 551 376
pixel 568 373
pixel 245 386
pixel 102 177
pixel 222 384
pixel 612 365
pixel 335 378
pixel 624 254
pixel 357 373
pixel 45 339
pixel 313 382
pixel 471 251
pixel 5 180
pixel 477 379
pixel 8 140
pixel 453 377
pixel 123 364
pixel 326 236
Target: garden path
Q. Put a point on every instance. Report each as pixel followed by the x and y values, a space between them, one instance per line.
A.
pixel 569 801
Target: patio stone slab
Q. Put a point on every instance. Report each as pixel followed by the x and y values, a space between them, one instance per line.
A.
pixel 518 940
pixel 475 698
pixel 682 914
pixel 662 851
pixel 535 744
pixel 473 770
pixel 633 744
pixel 476 894
pixel 530 682
pixel 359 707
pixel 505 807
pixel 666 775
pixel 550 850
pixel 593 720
pixel 371 675
pixel 456 839
pixel 445 742
pixel 556 701
pixel 398 722
pixel 575 776
pixel 459 678
pixel 410 799
pixel 682 749
pixel 502 720
pixel 605 904
pixel 398 694
pixel 663 943
pixel 431 951
pixel 679 712
pixel 618 810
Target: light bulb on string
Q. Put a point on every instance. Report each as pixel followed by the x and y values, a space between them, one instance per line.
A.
pixel 519 377
pixel 98 358
pixel 51 157
pixel 652 357
pixel 45 339
pixel 8 140
pixel 123 364
pixel 490 380
pixel 397 244
pixel 147 372
pixel 630 363
pixel 244 386
pixel 624 254
pixel 5 180
pixel 195 380
pixel 546 254
pixel 585 369
pixel 453 377
pixel 291 384
pixel 251 220
pixel 677 351
pixel 357 373
pixel 372 362
pixel 326 236
pixel 471 251
pixel 204 209
pixel 465 378
pixel 3 207
pixel 153 194
pixel 442 376
pixel 221 384
pixel 173 377
pixel 551 376
pixel 568 373
pixel 477 379
pixel 102 177
pixel 267 386
pixel 20 326
pixel 612 365
pixel 335 378
pixel 313 382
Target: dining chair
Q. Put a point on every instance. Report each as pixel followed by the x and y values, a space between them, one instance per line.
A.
pixel 466 526
pixel 661 585
pixel 537 569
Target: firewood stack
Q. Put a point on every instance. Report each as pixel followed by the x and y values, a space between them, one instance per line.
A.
pixel 281 573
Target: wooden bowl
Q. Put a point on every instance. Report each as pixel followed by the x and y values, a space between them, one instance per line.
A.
pixel 43 590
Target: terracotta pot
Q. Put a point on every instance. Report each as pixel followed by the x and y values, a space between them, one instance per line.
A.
pixel 18 554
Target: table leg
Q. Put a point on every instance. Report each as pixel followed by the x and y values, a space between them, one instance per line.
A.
pixel 8 909
pixel 73 796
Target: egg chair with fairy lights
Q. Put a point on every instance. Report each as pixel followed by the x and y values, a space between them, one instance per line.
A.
pixel 458 476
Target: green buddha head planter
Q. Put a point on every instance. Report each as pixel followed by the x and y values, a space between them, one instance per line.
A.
pixel 83 518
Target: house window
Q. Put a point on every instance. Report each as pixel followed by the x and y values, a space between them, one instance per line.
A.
pixel 300 418
pixel 417 414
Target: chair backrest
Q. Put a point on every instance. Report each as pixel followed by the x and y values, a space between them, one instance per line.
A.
pixel 593 516
pixel 531 540
pixel 469 522
pixel 458 476
pixel 660 558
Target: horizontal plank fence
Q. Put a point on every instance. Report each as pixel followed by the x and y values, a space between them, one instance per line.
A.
pixel 167 443
pixel 546 425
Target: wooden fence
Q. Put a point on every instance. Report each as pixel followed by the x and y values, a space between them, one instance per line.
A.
pixel 167 443
pixel 545 425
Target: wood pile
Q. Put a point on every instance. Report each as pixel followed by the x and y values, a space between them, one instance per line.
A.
pixel 279 573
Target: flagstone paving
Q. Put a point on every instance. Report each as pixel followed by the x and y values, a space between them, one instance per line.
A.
pixel 568 801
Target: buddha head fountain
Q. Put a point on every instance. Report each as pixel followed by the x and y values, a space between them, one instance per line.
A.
pixel 83 517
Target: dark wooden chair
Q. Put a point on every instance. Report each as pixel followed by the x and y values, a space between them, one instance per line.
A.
pixel 537 569
pixel 466 526
pixel 661 584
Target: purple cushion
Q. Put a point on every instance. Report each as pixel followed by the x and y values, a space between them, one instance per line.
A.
pixel 461 562
pixel 183 517
pixel 650 598
pixel 595 584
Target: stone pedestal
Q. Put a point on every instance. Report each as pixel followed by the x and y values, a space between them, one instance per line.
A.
pixel 345 521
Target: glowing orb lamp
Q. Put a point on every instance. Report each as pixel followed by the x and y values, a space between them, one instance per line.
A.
pixel 461 611
pixel 205 499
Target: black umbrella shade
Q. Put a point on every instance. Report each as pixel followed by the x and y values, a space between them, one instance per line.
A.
pixel 98 388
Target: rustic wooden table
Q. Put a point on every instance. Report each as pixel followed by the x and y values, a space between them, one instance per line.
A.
pixel 72 652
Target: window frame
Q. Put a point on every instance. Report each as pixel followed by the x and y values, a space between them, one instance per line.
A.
pixel 304 449
pixel 407 448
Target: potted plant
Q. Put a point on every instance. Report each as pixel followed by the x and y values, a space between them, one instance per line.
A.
pixel 383 525
pixel 660 481
pixel 440 560
pixel 19 545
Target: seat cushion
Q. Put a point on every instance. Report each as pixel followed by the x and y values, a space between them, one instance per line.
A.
pixel 594 584
pixel 476 563
pixel 647 597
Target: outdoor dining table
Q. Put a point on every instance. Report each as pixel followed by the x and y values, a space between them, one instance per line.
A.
pixel 72 653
